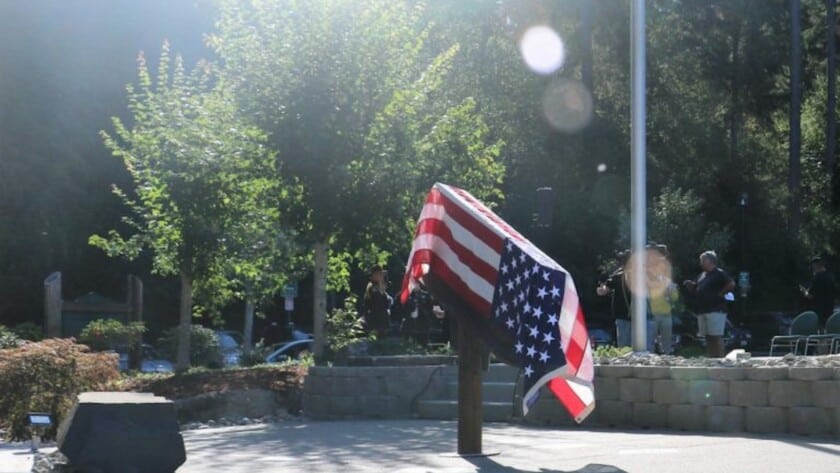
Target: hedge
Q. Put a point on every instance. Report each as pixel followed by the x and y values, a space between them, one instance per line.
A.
pixel 47 376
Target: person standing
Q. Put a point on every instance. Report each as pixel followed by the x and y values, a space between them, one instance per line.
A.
pixel 377 303
pixel 821 291
pixel 620 294
pixel 417 323
pixel 709 292
pixel 663 296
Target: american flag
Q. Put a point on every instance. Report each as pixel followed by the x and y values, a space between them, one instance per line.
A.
pixel 504 278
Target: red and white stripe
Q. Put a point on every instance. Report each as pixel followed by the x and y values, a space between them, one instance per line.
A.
pixel 460 241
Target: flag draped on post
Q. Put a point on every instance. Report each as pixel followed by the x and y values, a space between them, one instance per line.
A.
pixel 507 281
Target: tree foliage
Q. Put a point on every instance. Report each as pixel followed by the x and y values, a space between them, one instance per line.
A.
pixel 205 199
pixel 329 120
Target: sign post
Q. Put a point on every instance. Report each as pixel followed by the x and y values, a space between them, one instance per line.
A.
pixel 290 291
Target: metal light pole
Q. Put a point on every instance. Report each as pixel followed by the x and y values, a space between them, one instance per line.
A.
pixel 638 198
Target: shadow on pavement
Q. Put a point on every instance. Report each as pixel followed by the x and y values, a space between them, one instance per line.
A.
pixel 487 465
pixel 297 445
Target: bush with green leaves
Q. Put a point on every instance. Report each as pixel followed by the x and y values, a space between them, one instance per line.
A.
pixel 8 339
pixel 29 331
pixel 204 346
pixel 109 334
pixel 47 376
pixel 610 351
pixel 344 326
pixel 255 356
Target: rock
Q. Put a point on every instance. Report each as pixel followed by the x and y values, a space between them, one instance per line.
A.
pixel 50 463
pixel 790 359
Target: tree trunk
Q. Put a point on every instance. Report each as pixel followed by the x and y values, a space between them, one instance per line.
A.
pixel 249 323
pixel 735 112
pixel 182 361
pixel 794 164
pixel 831 75
pixel 319 287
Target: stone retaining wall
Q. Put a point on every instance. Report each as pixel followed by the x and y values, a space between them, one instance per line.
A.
pixel 721 399
pixel 382 392
pixel 235 404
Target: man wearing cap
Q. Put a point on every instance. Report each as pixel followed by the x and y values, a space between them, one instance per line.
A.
pixel 821 291
pixel 377 303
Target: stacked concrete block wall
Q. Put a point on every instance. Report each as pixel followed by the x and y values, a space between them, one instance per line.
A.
pixel 377 392
pixel 721 399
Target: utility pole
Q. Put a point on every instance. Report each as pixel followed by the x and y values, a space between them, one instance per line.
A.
pixel 638 197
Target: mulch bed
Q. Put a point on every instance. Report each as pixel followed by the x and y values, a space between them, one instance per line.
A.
pixel 283 380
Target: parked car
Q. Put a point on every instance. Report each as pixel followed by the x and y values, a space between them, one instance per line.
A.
pixel 290 350
pixel 151 361
pixel 230 345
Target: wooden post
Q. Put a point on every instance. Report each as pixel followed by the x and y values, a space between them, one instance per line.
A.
pixel 470 353
pixel 52 305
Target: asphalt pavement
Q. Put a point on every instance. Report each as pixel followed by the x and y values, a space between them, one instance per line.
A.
pixel 419 446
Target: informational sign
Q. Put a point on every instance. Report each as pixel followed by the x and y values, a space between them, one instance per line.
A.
pixel 289 304
pixel 290 290
pixel 39 419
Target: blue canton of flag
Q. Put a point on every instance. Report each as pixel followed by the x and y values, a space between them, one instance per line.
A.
pixel 527 302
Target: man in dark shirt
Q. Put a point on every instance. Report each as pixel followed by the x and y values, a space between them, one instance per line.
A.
pixel 621 300
pixel 709 290
pixel 376 304
pixel 821 291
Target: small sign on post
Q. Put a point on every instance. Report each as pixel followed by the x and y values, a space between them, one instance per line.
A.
pixel 38 423
pixel 290 290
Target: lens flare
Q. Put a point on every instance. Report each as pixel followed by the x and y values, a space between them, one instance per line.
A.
pixel 542 49
pixel 567 105
pixel 659 272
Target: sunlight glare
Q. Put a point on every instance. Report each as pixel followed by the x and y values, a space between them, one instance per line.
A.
pixel 567 105
pixel 542 49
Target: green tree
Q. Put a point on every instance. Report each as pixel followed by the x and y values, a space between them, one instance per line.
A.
pixel 200 173
pixel 352 95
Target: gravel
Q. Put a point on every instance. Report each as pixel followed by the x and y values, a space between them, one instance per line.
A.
pixel 634 359
pixel 228 422
pixel 54 462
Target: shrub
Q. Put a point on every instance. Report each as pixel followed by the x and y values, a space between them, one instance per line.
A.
pixel 108 334
pixel 204 346
pixel 8 339
pixel 29 331
pixel 47 376
pixel 344 326
pixel 257 355
pixel 610 351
